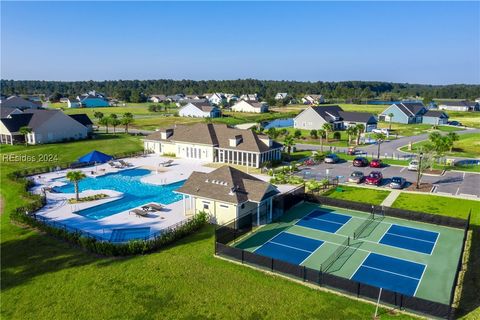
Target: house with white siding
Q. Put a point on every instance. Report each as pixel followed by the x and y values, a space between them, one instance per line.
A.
pixel 249 97
pixel 281 95
pixel 199 110
pixel 250 106
pixel 214 143
pixel 46 126
pixel 217 99
pixel 313 99
pixel 458 105
pixel 157 98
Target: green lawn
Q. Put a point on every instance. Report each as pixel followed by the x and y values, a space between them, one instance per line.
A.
pixel 408 130
pixel 365 195
pixel 467 146
pixel 469 119
pixel 44 278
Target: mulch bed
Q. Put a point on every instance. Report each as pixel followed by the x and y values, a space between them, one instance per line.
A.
pixel 435 172
pixel 424 187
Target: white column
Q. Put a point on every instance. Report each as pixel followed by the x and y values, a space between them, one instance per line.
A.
pixel 258 160
pixel 184 205
pixel 258 214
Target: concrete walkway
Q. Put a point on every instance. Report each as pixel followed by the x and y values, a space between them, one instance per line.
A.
pixel 390 199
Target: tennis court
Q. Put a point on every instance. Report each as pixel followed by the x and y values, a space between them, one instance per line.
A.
pixel 408 257
pixel 410 238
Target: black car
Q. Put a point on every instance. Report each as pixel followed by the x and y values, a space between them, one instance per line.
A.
pixel 360 162
pixel 454 123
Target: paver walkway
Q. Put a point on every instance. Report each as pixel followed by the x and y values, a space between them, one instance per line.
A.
pixel 390 199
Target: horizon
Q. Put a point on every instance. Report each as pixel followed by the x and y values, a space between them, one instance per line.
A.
pixel 304 42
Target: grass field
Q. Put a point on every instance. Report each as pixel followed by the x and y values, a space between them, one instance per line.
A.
pixel 467 146
pixel 183 281
pixel 366 195
pixel 469 119
pixel 408 130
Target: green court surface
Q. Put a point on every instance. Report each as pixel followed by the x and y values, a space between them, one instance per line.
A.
pixel 439 262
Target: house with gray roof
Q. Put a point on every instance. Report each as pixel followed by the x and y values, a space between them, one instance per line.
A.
pixel 316 116
pixel 281 95
pixel 20 103
pixel 214 143
pixel 226 194
pixel 313 99
pixel 250 106
pixel 46 126
pixel 435 117
pixel 458 105
pixel 91 99
pixel 404 112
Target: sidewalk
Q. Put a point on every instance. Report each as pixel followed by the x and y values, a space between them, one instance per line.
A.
pixel 390 199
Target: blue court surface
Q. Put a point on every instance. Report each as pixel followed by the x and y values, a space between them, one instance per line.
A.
pixel 324 221
pixel 289 247
pixel 410 238
pixel 390 273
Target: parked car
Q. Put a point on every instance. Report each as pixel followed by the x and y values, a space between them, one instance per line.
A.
pixel 383 130
pixel 376 163
pixel 413 165
pixel 356 177
pixel 397 183
pixel 331 158
pixel 375 178
pixel 360 162
pixel 352 151
pixel 454 123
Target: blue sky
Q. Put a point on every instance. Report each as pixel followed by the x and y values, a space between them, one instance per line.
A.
pixel 428 42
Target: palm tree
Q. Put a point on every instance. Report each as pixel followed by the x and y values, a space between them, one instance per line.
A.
pixel 75 177
pixel 351 131
pixel 390 117
pixel 25 131
pixel 321 133
pixel 289 142
pixel 114 121
pixel 105 121
pixel 98 115
pixel 127 119
pixel 360 129
pixel 328 127
pixel 379 137
pixel 452 137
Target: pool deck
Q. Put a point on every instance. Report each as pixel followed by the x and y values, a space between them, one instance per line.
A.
pixel 59 210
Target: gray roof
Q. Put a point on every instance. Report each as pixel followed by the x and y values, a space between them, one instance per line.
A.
pixel 229 185
pixel 20 103
pixel 203 105
pixel 32 118
pixel 456 103
pixel 435 114
pixel 218 135
pixel 357 116
pixel 411 108
pixel 82 118
pixel 328 112
pixel 6 111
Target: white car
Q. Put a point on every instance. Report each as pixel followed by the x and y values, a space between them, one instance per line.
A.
pixel 384 131
pixel 413 165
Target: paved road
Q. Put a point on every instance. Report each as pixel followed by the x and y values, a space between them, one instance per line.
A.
pixel 451 183
pixel 388 147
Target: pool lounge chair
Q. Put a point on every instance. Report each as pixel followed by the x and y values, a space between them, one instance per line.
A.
pixel 139 213
pixel 167 163
pixel 124 164
pixel 154 206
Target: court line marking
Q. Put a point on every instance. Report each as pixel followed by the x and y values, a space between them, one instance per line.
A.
pixel 324 220
pixel 399 235
pixel 343 226
pixel 268 240
pixel 397 274
pixel 420 280
pixel 438 237
pixel 287 246
pixel 318 229
pixel 361 264
pixel 338 214
pixel 392 246
pixel 323 242
pixel 407 227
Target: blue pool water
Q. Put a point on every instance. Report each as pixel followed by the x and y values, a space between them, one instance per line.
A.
pixel 135 192
pixel 279 123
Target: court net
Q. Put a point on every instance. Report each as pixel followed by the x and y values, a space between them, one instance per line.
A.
pixel 325 266
pixel 361 228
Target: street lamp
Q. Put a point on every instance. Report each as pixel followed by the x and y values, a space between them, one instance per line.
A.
pixel 419 168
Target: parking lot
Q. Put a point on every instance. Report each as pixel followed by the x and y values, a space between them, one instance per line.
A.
pixel 452 183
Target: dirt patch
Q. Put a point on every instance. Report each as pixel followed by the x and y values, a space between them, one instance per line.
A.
pixel 434 172
pixel 423 187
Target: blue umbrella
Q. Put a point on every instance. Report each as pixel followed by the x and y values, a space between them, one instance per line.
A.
pixel 95 156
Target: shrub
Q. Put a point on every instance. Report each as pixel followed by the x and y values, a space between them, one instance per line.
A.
pixel 314 134
pixel 297 134
pixel 89 198
pixel 170 154
pixel 337 135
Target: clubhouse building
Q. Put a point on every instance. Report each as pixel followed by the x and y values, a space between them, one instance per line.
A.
pixel 214 143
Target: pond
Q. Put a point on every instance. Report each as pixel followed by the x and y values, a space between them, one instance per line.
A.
pixel 278 123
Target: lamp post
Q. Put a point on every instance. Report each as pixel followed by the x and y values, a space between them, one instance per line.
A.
pixel 419 168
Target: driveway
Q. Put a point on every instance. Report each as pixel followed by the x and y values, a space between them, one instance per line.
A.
pixel 451 183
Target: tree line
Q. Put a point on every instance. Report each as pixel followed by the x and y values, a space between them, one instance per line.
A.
pixel 138 90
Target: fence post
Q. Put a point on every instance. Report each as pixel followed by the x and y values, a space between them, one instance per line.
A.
pixel 243 254
pixel 304 273
pixel 358 290
pixel 272 264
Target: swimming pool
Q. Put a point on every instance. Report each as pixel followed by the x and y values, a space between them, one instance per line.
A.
pixel 135 192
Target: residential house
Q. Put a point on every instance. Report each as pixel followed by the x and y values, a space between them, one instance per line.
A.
pixel 231 97
pixel 281 95
pixel 85 120
pixel 404 112
pixel 195 97
pixel 46 125
pixel 214 143
pixel 217 99
pixel 249 97
pixel 185 101
pixel 458 105
pixel 435 117
pixel 226 194
pixel 199 110
pixel 176 97
pixel 313 99
pixel 157 98
pixel 316 116
pixel 63 100
pixel 7 111
pixel 91 99
pixel 20 103
pixel 250 106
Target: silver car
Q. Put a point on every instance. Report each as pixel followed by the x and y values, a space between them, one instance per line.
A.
pixel 397 183
pixel 356 177
pixel 413 165
pixel 331 158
